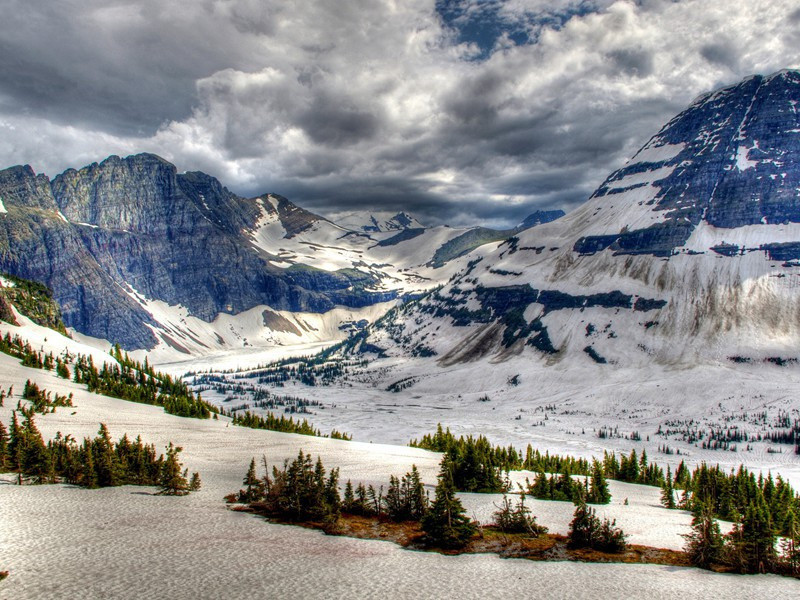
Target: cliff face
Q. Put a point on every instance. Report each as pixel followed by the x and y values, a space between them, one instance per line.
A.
pixel 106 236
pixel 729 160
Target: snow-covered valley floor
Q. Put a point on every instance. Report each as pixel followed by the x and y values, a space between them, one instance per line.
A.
pixel 561 408
pixel 64 542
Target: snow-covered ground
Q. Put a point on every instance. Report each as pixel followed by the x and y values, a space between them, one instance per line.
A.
pixel 64 542
pixel 562 408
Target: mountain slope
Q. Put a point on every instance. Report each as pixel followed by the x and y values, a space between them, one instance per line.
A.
pixel 686 253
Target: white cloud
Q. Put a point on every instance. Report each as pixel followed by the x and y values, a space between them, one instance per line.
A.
pixel 336 104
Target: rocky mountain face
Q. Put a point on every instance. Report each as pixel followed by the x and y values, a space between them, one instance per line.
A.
pixel 139 254
pixel 689 252
pixel 111 234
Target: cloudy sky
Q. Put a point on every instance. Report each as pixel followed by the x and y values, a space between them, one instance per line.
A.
pixel 461 111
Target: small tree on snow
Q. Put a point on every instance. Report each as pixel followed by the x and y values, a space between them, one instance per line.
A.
pixel 172 481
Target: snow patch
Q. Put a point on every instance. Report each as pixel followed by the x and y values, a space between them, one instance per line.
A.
pixel 656 152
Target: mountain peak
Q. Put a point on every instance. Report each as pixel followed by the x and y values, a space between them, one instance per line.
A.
pixel 377 221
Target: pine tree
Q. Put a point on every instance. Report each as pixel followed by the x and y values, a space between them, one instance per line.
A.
pixel 758 537
pixel 36 460
pixel 4 457
pixel 349 502
pixel 254 490
pixel 418 500
pixel 517 519
pixel 172 481
pixel 195 483
pixel 598 490
pixel 704 543
pixel 790 545
pixel 446 523
pixel 667 493
pixel 583 527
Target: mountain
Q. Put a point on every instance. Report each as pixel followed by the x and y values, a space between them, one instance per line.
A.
pixel 690 252
pixel 540 217
pixel 376 222
pixel 175 263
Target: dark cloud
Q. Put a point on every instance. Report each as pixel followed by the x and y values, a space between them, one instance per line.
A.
pixel 463 111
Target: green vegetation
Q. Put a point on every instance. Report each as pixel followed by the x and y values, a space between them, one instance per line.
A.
pixel 563 487
pixel 273 423
pixel 97 462
pixel 128 380
pixel 41 400
pixel 139 382
pixel 587 531
pixel 281 423
pixel 303 491
pixel 446 523
pixel 517 519
pixel 33 300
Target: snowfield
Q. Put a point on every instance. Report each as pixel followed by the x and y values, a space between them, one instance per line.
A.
pixel 65 542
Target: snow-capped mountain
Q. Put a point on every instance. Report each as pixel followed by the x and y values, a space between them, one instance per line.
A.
pixel 139 254
pixel 376 222
pixel 690 251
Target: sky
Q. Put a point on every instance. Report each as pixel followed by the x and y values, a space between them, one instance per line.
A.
pixel 458 111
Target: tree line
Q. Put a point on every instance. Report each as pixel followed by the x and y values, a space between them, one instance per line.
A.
pixel 280 423
pixel 128 380
pixel 304 491
pixel 96 462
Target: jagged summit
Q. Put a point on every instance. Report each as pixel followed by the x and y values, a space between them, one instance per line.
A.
pixel 143 255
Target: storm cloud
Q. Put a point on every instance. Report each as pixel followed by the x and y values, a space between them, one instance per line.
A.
pixel 460 111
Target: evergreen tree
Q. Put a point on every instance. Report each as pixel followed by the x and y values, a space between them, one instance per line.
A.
pixel 667 493
pixel 417 499
pixel 349 502
pixel 172 481
pixel 704 543
pixel 517 519
pixel 254 490
pixel 598 490
pixel 446 523
pixel 4 457
pixel 195 483
pixel 36 462
pixel 758 537
pixel 790 545
pixel 584 527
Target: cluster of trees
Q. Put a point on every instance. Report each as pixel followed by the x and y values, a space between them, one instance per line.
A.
pixel 16 347
pixel 139 382
pixel 593 490
pixel 587 531
pixel 477 466
pixel 273 423
pixel 316 370
pixel 280 423
pixel 750 547
pixel 130 380
pixel 302 490
pixel 97 462
pixel 41 400
pixel 517 519
pixel 632 468
pixel 730 496
pixel 761 508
